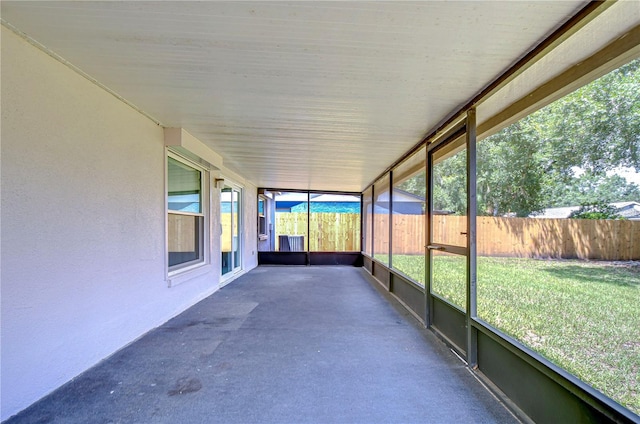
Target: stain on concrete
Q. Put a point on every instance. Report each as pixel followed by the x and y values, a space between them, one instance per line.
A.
pixel 185 385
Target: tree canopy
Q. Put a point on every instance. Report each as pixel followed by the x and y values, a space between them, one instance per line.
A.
pixel 561 155
pixel 565 154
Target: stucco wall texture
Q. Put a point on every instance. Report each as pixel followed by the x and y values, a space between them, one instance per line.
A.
pixel 83 226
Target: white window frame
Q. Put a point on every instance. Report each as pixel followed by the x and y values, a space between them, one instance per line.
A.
pixel 204 258
pixel 263 235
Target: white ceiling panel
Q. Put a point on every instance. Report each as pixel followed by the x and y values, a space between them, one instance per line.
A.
pixel 307 95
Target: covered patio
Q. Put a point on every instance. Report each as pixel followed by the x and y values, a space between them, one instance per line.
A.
pixel 151 151
pixel 315 344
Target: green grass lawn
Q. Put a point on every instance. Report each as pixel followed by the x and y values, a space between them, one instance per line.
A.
pixel 583 316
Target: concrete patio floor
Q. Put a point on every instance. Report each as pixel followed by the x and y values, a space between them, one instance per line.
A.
pixel 280 345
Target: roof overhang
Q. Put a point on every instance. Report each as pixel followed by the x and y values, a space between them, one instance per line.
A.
pixel 321 95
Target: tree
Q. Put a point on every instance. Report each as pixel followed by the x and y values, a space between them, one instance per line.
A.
pixel 530 164
pixel 597 127
pixel 509 172
pixel 450 184
pixel 415 185
pixel 597 210
pixel 589 189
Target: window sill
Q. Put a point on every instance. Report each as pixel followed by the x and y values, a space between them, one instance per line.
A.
pixel 183 275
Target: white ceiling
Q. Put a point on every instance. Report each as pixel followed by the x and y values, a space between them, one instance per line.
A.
pixel 305 95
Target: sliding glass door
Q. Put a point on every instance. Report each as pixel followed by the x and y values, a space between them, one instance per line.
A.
pixel 230 207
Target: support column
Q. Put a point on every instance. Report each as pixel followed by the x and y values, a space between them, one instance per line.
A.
pixel 472 313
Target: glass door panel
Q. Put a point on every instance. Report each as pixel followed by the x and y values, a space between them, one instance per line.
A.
pixel 226 220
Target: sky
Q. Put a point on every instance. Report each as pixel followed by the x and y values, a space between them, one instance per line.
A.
pixel 628 173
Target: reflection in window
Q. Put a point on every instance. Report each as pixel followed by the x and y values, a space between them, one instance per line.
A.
pixel 185 221
pixel 262 218
pixel 230 208
pixel 184 187
pixel 185 240
pixel 409 210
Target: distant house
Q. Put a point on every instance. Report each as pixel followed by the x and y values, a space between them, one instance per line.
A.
pixel 403 203
pixel 628 210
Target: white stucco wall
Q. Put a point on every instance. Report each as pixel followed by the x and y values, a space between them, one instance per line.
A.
pixel 82 222
pixel 250 234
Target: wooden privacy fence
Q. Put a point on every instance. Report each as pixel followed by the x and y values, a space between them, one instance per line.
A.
pixel 560 238
pixel 524 237
pixel 510 237
pixel 330 232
